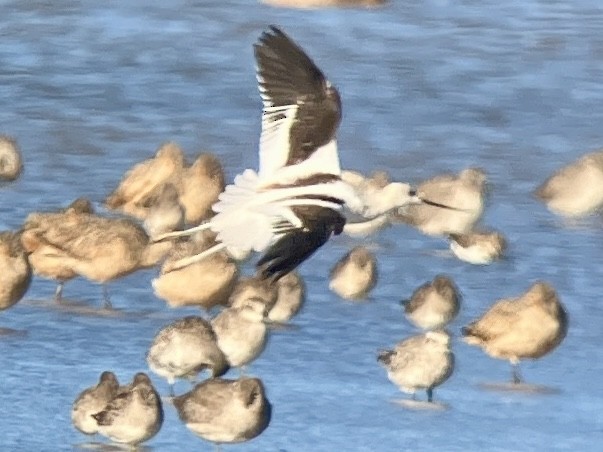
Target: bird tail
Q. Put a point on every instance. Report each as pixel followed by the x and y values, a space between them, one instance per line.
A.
pixel 239 193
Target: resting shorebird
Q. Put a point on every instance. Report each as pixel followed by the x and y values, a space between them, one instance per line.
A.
pixel 134 415
pixel 529 326
pixel 293 204
pixel 144 178
pixel 355 274
pixel 434 304
pixel 11 164
pixel 576 189
pixel 225 411
pixel 97 248
pixel 51 265
pixel 184 348
pixel 91 401
pixel 419 362
pixel 15 271
pixel 479 248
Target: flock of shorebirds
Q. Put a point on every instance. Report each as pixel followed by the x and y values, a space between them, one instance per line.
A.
pixel 292 206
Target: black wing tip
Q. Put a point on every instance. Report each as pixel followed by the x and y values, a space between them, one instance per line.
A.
pixel 272 32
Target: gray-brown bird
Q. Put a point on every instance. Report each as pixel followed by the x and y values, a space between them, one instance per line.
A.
pixel 92 400
pixel 434 304
pixel 134 415
pixel 419 362
pixel 355 274
pixel 225 411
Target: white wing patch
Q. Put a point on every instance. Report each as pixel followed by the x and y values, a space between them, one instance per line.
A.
pixel 325 160
pixel 248 220
pixel 274 140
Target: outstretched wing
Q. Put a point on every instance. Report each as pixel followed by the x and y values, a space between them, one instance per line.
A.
pixel 297 245
pixel 301 113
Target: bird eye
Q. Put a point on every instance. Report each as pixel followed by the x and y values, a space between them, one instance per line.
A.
pixel 412 192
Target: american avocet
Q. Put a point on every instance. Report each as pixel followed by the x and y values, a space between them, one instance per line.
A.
pixel 184 348
pixel 434 304
pixel 134 415
pixel 11 163
pixel 92 400
pixel 292 205
pixel 576 189
pixel 529 326
pixel 355 274
pixel 420 362
pixel 479 248
pixel 466 192
pixel 225 411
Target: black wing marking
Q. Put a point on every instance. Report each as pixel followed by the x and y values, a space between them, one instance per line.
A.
pixel 289 79
pixel 298 245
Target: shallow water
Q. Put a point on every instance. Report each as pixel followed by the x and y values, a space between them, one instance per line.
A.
pixel 89 88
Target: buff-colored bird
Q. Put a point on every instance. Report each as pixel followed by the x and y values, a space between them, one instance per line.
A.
pixel 199 187
pixel 206 283
pixel 11 163
pixel 529 326
pixel 576 189
pixel 355 274
pixel 15 271
pixel 434 304
pixel 51 266
pixel 97 248
pixel 145 179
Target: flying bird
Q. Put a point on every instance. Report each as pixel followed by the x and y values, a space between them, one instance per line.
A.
pixel 293 204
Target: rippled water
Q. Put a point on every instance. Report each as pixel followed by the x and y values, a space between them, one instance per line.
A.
pixel 89 88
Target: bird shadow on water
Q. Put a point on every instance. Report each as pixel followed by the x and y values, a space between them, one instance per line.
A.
pixel 110 447
pixel 420 405
pixel 12 333
pixel 83 308
pixel 278 327
pixel 519 388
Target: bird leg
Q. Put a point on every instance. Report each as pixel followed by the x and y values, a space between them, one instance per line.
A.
pixel 190 231
pixel 106 300
pixel 58 293
pixel 430 395
pixel 186 261
pixel 515 372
